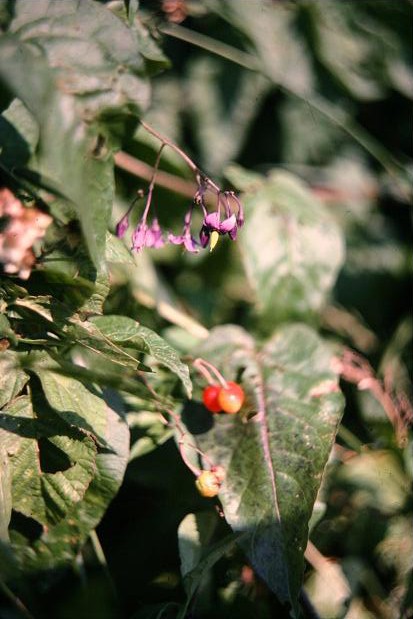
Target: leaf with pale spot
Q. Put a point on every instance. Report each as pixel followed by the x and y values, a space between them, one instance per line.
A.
pixel 52 464
pixel 275 450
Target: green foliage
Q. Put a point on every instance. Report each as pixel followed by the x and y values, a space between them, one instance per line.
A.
pixel 291 417
pixel 292 249
pixel 102 427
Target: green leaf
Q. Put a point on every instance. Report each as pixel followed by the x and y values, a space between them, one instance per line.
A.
pixel 86 45
pixel 193 578
pixel 67 143
pixel 275 451
pixel 52 464
pixel 62 541
pixel 127 332
pixel 270 29
pixel 19 135
pixel 86 88
pixel 149 432
pixel 292 249
pixel 12 378
pixel 5 494
pixel 76 404
pixel 217 120
pixel 194 533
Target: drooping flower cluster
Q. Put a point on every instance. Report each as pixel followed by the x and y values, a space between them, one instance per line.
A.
pixel 22 227
pixel 226 218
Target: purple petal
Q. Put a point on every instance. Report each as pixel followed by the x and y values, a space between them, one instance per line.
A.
pixel 212 221
pixel 228 224
pixel 175 240
pixel 184 239
pixel 122 226
pixel 204 236
pixel 190 244
pixel 154 236
pixel 139 237
pixel 233 233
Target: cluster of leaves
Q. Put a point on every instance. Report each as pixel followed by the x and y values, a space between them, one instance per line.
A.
pixel 82 382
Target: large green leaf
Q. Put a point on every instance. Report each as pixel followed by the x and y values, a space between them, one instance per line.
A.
pixel 52 463
pixel 92 52
pixel 127 332
pixel 220 121
pixel 12 378
pixel 76 404
pixel 292 248
pixel 78 70
pixel 19 135
pixel 62 541
pixel 274 452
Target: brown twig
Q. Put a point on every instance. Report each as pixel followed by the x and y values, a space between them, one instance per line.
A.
pixel 356 369
pixel 163 179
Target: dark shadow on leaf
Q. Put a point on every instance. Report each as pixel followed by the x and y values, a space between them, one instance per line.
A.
pixel 52 459
pixel 15 149
pixel 196 417
pixel 25 526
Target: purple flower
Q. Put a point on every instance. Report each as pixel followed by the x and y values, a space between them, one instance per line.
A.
pixel 139 236
pixel 185 239
pixel 147 236
pixel 154 236
pixel 212 224
pixel 122 226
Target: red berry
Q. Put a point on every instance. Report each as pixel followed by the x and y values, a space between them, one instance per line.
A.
pixel 231 398
pixel 210 398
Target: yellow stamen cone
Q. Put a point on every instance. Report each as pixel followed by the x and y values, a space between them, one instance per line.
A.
pixel 213 240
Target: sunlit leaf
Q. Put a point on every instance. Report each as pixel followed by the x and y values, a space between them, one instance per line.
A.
pixel 76 404
pixel 12 378
pixel 292 249
pixel 52 463
pixel 61 543
pixel 275 450
pixel 127 332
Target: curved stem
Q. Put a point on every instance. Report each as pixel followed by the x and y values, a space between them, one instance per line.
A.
pixel 152 183
pixel 167 142
pixel 199 364
pixel 201 177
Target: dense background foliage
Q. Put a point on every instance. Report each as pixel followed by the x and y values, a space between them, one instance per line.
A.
pixel 302 107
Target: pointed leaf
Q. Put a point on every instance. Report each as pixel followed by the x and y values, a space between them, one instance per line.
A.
pixel 292 249
pixel 12 378
pixel 275 452
pixel 73 402
pixel 127 332
pixel 62 541
pixel 52 464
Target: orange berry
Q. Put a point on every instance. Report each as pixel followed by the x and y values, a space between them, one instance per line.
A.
pixel 231 398
pixel 207 484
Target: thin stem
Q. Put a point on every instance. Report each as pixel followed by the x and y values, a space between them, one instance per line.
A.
pixel 201 177
pixel 237 56
pixel 100 555
pixel 195 470
pixel 134 166
pixel 167 142
pixel 152 183
pixel 16 601
pixel 200 363
pixel 205 373
pixel 349 438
